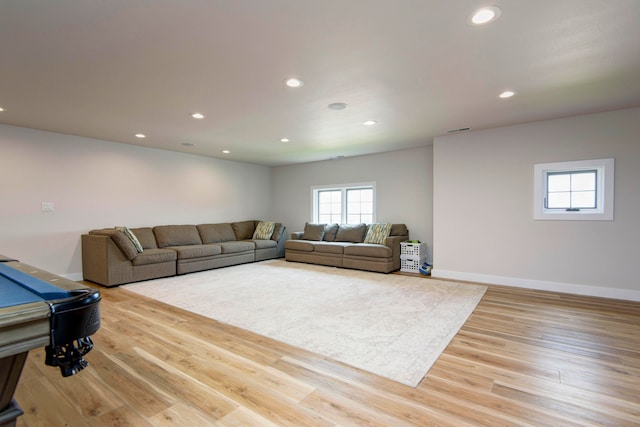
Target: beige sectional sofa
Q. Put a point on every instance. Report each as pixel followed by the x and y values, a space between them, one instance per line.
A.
pixel 115 256
pixel 341 245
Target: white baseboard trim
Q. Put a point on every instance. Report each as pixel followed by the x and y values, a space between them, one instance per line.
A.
pixel 542 285
pixel 76 277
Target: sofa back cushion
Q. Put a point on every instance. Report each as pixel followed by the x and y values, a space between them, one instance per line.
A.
pixel 176 235
pixel 351 233
pixel 132 237
pixel 330 232
pixel 121 241
pixel 216 233
pixel 313 232
pixel 146 237
pixel 399 230
pixel 243 229
pixel 277 231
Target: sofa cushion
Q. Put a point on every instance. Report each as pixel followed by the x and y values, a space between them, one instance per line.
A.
pixel 132 237
pixel 196 251
pixel 146 237
pixel 264 230
pixel 299 245
pixel 215 233
pixel 243 229
pixel 155 256
pixel 377 233
pixel 369 250
pixel 121 241
pixel 313 231
pixel 265 244
pixel 399 230
pixel 331 247
pixel 278 231
pixel 330 232
pixel 351 233
pixel 176 235
pixel 234 247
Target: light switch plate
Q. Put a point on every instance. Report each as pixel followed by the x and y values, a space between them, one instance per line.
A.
pixel 47 206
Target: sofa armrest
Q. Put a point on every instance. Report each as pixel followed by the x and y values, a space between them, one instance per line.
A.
pixel 103 262
pixel 281 240
pixel 394 243
pixel 297 235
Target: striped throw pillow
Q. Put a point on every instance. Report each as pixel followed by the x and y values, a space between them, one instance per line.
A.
pixel 378 233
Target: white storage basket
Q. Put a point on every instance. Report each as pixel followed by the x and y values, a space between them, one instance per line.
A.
pixel 413 249
pixel 411 264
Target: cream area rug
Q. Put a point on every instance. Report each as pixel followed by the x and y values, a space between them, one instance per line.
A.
pixel 392 325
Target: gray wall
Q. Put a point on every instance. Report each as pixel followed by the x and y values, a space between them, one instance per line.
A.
pixel 97 184
pixel 483 207
pixel 404 188
pixel 470 197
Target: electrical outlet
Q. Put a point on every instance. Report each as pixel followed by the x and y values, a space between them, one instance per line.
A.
pixel 47 206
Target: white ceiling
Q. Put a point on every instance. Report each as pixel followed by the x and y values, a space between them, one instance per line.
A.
pixel 109 69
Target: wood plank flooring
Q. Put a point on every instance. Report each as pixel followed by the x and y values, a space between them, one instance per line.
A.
pixel 524 358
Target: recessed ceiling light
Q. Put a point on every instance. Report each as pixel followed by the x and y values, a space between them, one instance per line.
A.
pixel 140 135
pixel 226 151
pixel 337 106
pixel 1 109
pixel 369 123
pixel 284 139
pixel 485 15
pixel 197 116
pixel 293 82
pixel 506 94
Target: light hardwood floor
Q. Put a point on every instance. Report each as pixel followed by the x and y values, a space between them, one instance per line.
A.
pixel 524 358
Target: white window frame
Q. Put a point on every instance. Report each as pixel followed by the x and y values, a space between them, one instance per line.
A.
pixel 343 189
pixel 605 169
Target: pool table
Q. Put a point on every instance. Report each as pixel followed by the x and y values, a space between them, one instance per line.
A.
pixel 40 309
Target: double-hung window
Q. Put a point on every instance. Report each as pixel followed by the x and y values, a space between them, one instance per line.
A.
pixel 347 204
pixel 581 190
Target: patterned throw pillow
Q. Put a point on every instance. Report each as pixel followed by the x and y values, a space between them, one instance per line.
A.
pixel 378 233
pixel 264 230
pixel 132 237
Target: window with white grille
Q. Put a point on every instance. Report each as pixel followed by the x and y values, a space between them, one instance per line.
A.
pixel 347 204
pixel 580 190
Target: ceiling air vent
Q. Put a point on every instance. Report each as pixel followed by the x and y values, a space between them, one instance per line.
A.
pixel 458 130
